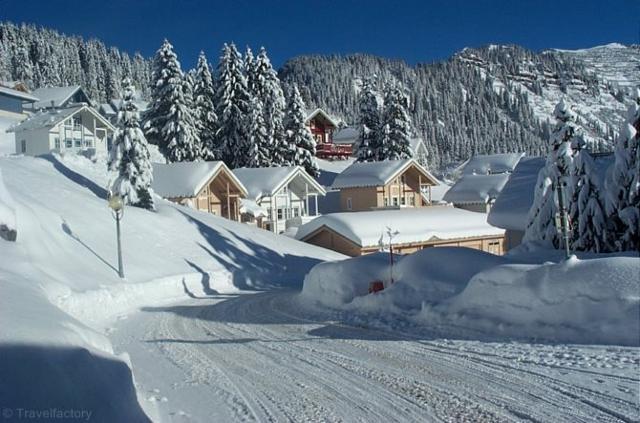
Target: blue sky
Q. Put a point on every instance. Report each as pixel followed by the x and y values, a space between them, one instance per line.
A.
pixel 415 31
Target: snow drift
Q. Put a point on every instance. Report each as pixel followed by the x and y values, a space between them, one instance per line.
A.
pixel 592 300
pixel 59 288
pixel 584 301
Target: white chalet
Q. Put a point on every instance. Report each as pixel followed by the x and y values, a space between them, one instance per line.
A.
pixel 279 197
pixel 59 97
pixel 70 129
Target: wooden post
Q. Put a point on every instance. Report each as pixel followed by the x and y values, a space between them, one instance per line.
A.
pixel 306 199
pixel 419 188
pixel 228 203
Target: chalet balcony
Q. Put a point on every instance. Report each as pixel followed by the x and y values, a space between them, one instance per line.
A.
pixel 329 150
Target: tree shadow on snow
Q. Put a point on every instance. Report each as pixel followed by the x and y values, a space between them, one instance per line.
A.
pixel 83 181
pixel 252 265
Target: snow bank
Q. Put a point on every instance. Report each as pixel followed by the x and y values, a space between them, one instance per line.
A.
pixel 59 288
pixel 584 301
pixel 417 277
pixel 337 283
pixel 592 300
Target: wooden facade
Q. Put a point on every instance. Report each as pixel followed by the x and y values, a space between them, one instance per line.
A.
pixel 410 188
pixel 322 127
pixel 328 238
pixel 219 196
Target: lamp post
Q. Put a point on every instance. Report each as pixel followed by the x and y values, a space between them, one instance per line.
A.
pixel 116 204
pixel 391 234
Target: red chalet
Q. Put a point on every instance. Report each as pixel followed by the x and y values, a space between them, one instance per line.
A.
pixel 322 127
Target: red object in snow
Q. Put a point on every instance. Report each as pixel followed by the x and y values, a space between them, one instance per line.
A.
pixel 375 286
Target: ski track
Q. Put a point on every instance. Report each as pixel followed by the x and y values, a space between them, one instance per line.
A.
pixel 263 358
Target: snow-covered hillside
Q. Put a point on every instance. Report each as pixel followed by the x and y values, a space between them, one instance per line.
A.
pixel 59 286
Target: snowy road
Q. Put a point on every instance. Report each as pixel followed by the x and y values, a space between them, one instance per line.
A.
pixel 263 357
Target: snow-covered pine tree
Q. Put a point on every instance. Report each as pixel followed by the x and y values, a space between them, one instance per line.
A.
pixel 232 106
pixel 181 129
pixel 300 139
pixel 249 70
pixel 622 185
pixel 206 119
pixel 369 122
pixel 267 88
pixel 166 85
pixel 129 155
pixel 395 141
pixel 259 139
pixel 586 210
pixel 541 222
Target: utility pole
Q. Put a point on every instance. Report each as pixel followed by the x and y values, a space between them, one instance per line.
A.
pixel 564 218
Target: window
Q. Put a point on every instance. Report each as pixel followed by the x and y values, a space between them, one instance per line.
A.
pixel 68 143
pixel 386 202
pixel 23 146
pixel 77 142
pixel 403 201
pixel 412 201
pixel 56 143
pixel 68 123
pixel 280 214
pixel 349 203
pixel 296 212
pixel 88 141
pixel 395 201
pixel 77 123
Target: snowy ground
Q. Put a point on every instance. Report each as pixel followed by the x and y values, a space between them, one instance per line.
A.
pixel 273 357
pixel 210 326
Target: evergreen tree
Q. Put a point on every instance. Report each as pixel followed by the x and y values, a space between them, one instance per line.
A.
pixel 129 155
pixel 588 225
pixel 232 106
pixel 301 142
pixel 369 123
pixel 206 119
pixel 267 88
pixel 395 141
pixel 622 185
pixel 541 225
pixel 250 71
pixel 181 129
pixel 259 139
pixel 167 80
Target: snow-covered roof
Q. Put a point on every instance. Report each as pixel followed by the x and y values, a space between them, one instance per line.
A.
pixel 47 118
pixel 317 111
pixel 58 95
pixel 17 94
pixel 413 225
pixel 186 179
pixel 470 189
pixel 492 163
pixel 347 135
pixel 512 206
pixel 267 181
pixel 375 174
pixel 248 206
pixel 107 109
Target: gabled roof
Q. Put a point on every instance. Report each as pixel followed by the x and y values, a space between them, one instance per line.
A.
pixel 319 111
pixel 492 163
pixel 348 135
pixel 58 95
pixel 415 143
pixel 51 117
pixel 375 174
pixel 186 179
pixel 413 225
pixel 17 94
pixel 267 181
pixel 512 206
pixel 107 109
pixel 473 189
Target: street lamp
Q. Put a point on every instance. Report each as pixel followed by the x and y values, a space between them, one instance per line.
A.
pixel 116 204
